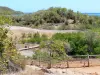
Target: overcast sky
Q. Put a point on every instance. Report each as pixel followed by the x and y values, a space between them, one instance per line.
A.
pixel 83 6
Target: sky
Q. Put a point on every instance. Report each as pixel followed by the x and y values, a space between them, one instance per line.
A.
pixel 84 6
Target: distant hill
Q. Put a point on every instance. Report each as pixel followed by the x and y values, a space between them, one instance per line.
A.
pixel 59 19
pixel 8 11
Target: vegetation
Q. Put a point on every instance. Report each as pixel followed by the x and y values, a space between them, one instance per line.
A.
pixel 5 20
pixel 50 52
pixel 53 18
pixel 59 45
pixel 58 18
pixel 8 11
pixel 8 52
pixel 33 38
pixel 80 43
pixel 71 43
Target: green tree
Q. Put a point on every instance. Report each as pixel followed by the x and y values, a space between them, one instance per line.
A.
pixel 56 49
pixel 8 52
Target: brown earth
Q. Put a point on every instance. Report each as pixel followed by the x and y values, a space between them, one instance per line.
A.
pixel 18 30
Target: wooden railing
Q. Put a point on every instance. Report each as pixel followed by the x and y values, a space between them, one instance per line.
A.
pixel 27 48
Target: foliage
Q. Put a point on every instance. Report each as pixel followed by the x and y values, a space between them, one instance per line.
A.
pixel 8 11
pixel 53 50
pixel 67 43
pixel 5 20
pixel 80 43
pixel 33 38
pixel 41 55
pixel 8 52
pixel 55 16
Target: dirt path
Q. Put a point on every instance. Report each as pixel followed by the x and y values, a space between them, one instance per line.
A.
pixel 17 30
pixel 34 70
pixel 89 70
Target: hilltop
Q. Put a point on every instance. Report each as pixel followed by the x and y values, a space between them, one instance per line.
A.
pixel 58 18
pixel 8 11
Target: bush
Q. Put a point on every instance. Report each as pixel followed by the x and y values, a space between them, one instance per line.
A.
pixel 34 38
pixel 41 55
pixel 8 53
pixel 66 23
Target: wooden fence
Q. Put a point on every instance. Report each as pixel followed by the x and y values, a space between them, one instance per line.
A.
pixel 74 61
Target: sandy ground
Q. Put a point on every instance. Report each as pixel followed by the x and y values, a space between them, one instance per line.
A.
pixel 18 30
pixel 76 71
pixel 88 70
pixel 34 70
pixel 76 68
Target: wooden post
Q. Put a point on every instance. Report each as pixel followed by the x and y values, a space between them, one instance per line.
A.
pixel 39 59
pixel 49 64
pixel 88 61
pixel 67 64
pixel 50 55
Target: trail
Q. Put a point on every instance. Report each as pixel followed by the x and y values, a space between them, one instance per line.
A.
pixel 18 30
pixel 34 70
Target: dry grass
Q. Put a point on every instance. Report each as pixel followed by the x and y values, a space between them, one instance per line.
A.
pixel 17 31
pixel 32 70
pixel 29 70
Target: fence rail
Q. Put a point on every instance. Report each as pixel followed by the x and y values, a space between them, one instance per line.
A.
pixel 29 47
pixel 83 55
pixel 73 61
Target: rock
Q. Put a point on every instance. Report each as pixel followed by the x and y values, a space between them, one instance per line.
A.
pixel 70 21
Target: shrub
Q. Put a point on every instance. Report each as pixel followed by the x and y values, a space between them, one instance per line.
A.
pixel 8 52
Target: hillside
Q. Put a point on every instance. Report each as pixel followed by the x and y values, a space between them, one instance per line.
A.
pixel 58 18
pixel 8 11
